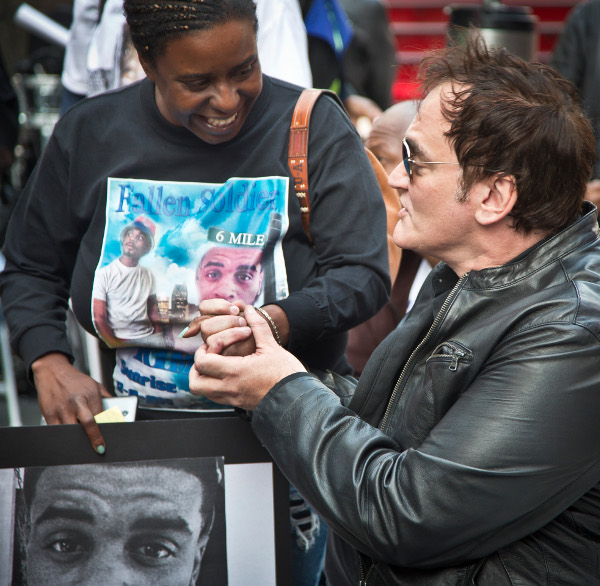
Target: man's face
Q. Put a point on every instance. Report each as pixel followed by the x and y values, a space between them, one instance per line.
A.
pixel 135 244
pixel 229 273
pixel 125 525
pixel 432 221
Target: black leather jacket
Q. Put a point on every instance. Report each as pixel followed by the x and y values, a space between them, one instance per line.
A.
pixel 475 456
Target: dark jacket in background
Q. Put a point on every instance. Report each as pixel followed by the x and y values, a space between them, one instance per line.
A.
pixel 577 57
pixel 9 131
pixel 9 111
pixel 365 63
pixel 370 61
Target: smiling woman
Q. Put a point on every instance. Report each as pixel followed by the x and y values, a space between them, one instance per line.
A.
pixel 213 95
pixel 205 82
pixel 195 157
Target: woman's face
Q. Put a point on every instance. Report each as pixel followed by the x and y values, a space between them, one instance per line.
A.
pixel 207 81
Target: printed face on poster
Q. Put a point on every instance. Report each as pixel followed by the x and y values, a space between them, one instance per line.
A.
pixel 181 520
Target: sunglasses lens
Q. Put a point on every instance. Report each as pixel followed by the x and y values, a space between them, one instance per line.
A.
pixel 406 158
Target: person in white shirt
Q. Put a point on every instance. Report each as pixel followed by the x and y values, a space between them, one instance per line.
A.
pixel 124 302
pixel 99 56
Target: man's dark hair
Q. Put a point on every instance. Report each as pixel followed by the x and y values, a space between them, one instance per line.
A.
pixel 516 118
pixel 152 23
pixel 209 471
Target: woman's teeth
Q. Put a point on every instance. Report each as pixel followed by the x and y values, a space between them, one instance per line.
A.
pixel 221 122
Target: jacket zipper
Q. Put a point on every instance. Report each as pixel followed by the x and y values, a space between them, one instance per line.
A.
pixel 433 327
pixel 455 357
pixel 458 355
pixel 362 578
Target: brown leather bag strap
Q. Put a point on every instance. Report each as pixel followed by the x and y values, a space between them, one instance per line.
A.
pixel 298 149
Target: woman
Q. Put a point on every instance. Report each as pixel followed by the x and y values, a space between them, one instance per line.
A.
pixel 193 157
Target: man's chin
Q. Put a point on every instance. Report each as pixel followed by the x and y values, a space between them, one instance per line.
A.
pixel 401 238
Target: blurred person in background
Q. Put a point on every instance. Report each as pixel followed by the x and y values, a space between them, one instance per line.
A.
pixel 577 57
pixel 351 52
pixel 370 61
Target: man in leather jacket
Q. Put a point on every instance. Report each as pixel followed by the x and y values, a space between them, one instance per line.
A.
pixel 470 452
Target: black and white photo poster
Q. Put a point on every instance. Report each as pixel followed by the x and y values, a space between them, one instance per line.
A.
pixel 189 521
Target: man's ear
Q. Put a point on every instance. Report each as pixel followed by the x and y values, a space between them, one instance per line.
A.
pixel 201 547
pixel 197 563
pixel 497 198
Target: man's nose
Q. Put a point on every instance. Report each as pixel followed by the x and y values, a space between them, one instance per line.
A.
pixel 109 565
pixel 398 178
pixel 227 291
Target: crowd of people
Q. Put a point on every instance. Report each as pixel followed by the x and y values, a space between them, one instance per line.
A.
pixel 466 303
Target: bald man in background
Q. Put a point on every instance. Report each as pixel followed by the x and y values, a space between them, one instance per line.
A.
pixel 385 138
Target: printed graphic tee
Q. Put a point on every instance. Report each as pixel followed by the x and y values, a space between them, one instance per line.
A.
pixel 188 242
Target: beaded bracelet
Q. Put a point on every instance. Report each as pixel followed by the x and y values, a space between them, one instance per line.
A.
pixel 270 322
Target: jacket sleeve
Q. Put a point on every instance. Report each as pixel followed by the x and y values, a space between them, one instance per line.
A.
pixel 351 281
pixel 519 446
pixel 40 254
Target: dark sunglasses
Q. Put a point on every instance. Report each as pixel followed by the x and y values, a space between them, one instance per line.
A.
pixel 408 162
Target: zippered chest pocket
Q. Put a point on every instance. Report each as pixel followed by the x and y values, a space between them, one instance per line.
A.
pixel 452 353
pixel 432 389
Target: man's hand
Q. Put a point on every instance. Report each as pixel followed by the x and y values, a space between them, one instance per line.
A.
pixel 66 395
pixel 362 112
pixel 242 381
pixel 358 106
pixel 223 321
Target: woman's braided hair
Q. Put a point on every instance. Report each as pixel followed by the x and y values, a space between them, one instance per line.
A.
pixel 153 23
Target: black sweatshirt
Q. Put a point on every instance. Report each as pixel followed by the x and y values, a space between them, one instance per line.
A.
pixel 56 235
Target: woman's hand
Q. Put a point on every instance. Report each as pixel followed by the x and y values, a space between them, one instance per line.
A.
pixel 66 395
pixel 222 319
pixel 242 381
pixel 220 322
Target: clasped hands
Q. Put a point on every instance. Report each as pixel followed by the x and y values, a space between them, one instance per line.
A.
pixel 240 361
pixel 237 365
